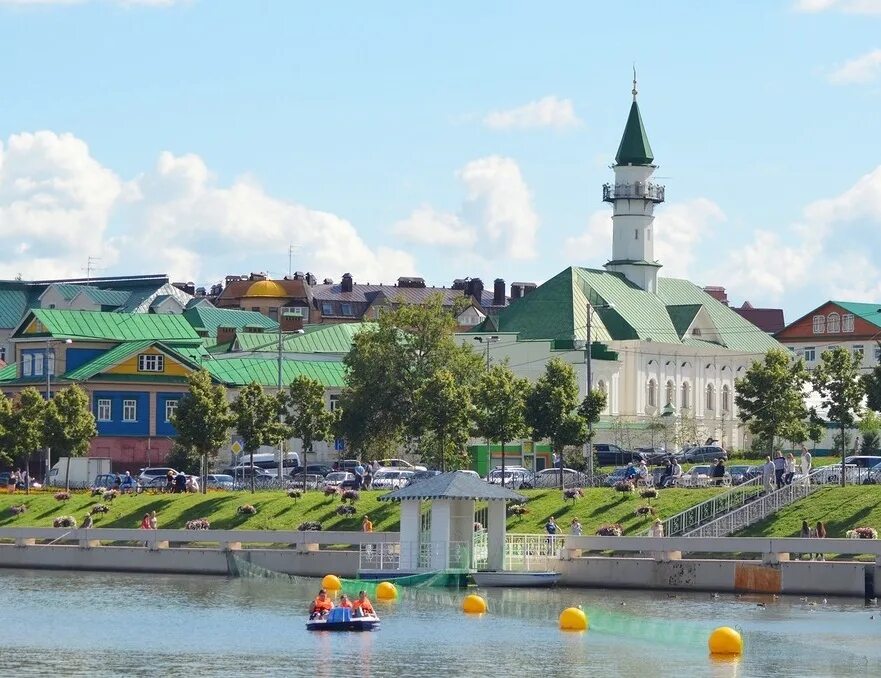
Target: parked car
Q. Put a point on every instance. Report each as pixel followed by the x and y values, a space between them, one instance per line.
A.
pixel 831 474
pixel 515 477
pixel 220 481
pixel 401 464
pixel 106 480
pixel 696 474
pixel 863 464
pixel 145 475
pixel 550 477
pixel 470 472
pixel 342 479
pixel 741 473
pixel 875 474
pixel 423 475
pixel 390 479
pixel 654 455
pixel 615 476
pixel 704 453
pixel 608 454
pixel 316 469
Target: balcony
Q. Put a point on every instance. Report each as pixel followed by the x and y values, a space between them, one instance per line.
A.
pixel 640 190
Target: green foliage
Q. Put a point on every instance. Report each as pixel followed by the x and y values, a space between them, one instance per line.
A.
pixel 500 404
pixel 444 411
pixel 770 398
pixel 5 421
pixel 593 405
pixel 307 415
pixel 70 424
pixel 257 419
pixel 183 458
pixel 837 381
pixel 25 432
pixel 872 386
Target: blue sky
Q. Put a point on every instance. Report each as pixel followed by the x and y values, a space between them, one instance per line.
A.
pixel 201 137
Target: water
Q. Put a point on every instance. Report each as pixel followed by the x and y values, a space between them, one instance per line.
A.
pixel 90 624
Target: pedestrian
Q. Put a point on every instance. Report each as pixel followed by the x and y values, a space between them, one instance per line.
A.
pixel 789 469
pixel 820 533
pixel 677 472
pixel 145 522
pixel 779 469
pixel 718 472
pixel 806 534
pixel 657 528
pixel 154 523
pixel 805 462
pixel 575 527
pixel 180 483
pixel 25 481
pixel 169 481
pixel 359 476
pixel 767 474
pixel 87 521
pixel 366 525
pixel 368 477
pixel 551 526
pixel 12 482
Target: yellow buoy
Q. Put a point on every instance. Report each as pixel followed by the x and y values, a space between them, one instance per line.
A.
pixel 573 619
pixel 474 604
pixel 385 590
pixel 725 641
pixel 331 582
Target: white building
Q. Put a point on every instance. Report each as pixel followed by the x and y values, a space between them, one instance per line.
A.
pixel 664 350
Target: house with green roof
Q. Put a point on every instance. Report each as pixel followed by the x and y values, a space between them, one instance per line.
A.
pixel 665 352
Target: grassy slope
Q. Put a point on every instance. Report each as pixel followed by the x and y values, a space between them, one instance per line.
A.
pixel 840 508
pixel 276 511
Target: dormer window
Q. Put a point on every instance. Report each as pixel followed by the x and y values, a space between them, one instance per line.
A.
pixel 819 324
pixel 833 323
pixel 150 362
pixel 696 331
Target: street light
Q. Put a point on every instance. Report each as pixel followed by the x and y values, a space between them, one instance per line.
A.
pixel 49 342
pixel 588 384
pixel 486 341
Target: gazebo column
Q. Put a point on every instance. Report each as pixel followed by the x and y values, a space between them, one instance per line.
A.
pixel 495 535
pixel 411 525
pixel 441 517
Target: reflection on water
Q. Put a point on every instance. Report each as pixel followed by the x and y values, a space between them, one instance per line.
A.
pixel 89 624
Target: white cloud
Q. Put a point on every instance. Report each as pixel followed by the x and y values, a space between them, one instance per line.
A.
pixel 864 68
pixel 58 206
pixel 594 246
pixel 427 226
pixel 845 6
pixel 549 111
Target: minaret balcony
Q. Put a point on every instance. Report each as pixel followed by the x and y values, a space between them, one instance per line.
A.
pixel 640 190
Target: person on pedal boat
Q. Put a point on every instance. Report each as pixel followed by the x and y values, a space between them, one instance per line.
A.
pixel 361 606
pixel 320 606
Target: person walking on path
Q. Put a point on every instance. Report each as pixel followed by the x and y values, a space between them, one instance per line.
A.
pixel 575 528
pixel 779 469
pixel 12 482
pixel 806 534
pixel 154 523
pixel 820 533
pixel 805 462
pixel 366 525
pixel 767 474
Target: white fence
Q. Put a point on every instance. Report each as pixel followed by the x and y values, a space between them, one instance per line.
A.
pixel 702 513
pixel 530 552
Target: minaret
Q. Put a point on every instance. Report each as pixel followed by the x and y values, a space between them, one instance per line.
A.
pixel 633 198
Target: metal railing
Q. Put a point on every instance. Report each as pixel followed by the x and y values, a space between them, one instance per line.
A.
pixel 442 555
pixel 761 506
pixel 523 551
pixel 707 511
pixel 639 190
pixel 384 556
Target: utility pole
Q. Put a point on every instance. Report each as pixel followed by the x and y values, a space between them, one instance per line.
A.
pixel 588 385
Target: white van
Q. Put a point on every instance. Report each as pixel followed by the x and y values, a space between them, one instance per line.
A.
pixel 268 461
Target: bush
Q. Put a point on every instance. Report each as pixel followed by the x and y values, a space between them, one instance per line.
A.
pixel 62 496
pixel 64 521
pixel 644 511
pixel 862 533
pixel 350 495
pixel 613 530
pixel 99 508
pixel 110 495
pixel 518 510
pixel 573 493
pixel 309 526
pixel 98 491
pixel 294 494
pixel 624 486
pixel 330 491
pixel 345 510
pixel 650 493
pixel 198 524
pixel 18 509
pixel 247 510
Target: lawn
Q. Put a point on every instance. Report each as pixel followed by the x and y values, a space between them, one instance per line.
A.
pixel 277 511
pixel 839 508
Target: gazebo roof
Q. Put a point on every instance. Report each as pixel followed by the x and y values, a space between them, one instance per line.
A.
pixel 453 485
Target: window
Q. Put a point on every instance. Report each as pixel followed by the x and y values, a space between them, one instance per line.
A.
pixel 3 353
pixel 711 397
pixel 27 365
pixel 170 409
pixel 833 323
pixel 602 386
pixel 670 398
pixel 810 354
pixel 273 313
pixel 346 309
pixel 819 324
pixel 636 234
pixel 878 354
pixel 847 322
pixel 150 362
pixel 256 309
pixel 38 364
pixel 334 402
pixel 296 311
pixel 129 410
pixel 686 393
pixel 652 395
pixel 104 409
pixel 858 353
pixel 50 368
pixel 726 398
pixel 326 308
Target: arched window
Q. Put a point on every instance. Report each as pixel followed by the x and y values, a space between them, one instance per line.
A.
pixel 711 397
pixel 726 398
pixel 601 385
pixel 686 392
pixel 652 393
pixel 670 398
pixel 833 323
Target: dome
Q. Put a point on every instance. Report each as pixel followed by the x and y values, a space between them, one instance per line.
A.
pixel 266 288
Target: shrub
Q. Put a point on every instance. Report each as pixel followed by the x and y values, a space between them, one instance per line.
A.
pixel 624 486
pixel 64 521
pixel 862 533
pixel 613 530
pixel 650 493
pixel 18 509
pixel 350 495
pixel 247 510
pixel 345 510
pixel 518 510
pixel 295 494
pixel 98 491
pixel 309 526
pixel 198 524
pixel 330 491
pixel 110 495
pixel 62 496
pixel 644 511
pixel 99 508
pixel 573 493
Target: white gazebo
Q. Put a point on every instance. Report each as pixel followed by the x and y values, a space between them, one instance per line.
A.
pixel 443 540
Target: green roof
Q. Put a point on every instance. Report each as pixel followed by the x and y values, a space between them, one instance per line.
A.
pixel 96 294
pixel 110 326
pixel 264 371
pixel 634 148
pixel 209 318
pixel 336 338
pixel 119 353
pixel 871 313
pixel 8 372
pixel 558 310
pixel 14 303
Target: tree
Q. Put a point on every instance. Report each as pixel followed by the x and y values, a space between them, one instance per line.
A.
pixel 872 386
pixel 256 417
pixel 307 416
pixel 770 397
pixel 27 426
pixel 551 409
pixel 837 381
pixel 870 428
pixel 500 403
pixel 203 420
pixel 70 425
pixel 185 459
pixel 5 422
pixel 590 410
pixel 445 412
pixel 388 365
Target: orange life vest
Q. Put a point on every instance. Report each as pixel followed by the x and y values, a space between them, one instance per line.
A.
pixel 319 605
pixel 363 605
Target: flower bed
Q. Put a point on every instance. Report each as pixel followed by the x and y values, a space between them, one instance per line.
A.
pixel 98 491
pixel 650 493
pixel 309 526
pixel 345 510
pixel 18 509
pixel 330 491
pixel 613 530
pixel 64 521
pixel 624 486
pixel 518 510
pixel 862 533
pixel 350 496
pixel 62 496
pixel 573 493
pixel 645 511
pixel 99 508
pixel 294 494
pixel 198 524
pixel 110 495
pixel 247 510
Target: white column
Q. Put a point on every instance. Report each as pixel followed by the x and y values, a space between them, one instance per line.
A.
pixel 441 516
pixel 410 527
pixel 495 535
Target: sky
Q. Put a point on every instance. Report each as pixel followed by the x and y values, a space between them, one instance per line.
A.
pixel 206 137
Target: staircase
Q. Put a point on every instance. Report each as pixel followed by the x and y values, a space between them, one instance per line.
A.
pixel 760 507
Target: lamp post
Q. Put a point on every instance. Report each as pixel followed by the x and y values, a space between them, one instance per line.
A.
pixel 588 384
pixel 49 342
pixel 668 412
pixel 486 341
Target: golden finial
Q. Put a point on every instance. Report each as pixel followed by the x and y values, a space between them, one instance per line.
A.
pixel 634 82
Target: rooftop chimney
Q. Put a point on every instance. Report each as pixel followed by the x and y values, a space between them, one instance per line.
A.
pixel 499 292
pixel 718 293
pixel 410 282
pixel 516 291
pixel 346 285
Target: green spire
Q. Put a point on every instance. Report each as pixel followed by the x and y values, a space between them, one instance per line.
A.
pixel 634 148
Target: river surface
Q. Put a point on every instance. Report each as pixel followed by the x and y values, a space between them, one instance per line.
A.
pixel 90 624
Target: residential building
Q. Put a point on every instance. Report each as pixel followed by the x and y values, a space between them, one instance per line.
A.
pixel 768 320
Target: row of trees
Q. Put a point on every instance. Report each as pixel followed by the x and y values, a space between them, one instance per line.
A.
pixel 771 399
pixel 63 425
